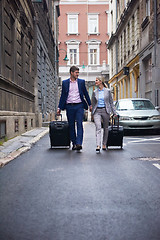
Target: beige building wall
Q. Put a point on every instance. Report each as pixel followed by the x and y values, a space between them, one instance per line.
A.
pixel 124 45
pixel 150 50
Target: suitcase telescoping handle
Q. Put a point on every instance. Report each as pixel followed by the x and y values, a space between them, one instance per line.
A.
pixel 113 118
pixel 57 115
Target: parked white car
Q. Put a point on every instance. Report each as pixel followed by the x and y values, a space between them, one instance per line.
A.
pixel 137 114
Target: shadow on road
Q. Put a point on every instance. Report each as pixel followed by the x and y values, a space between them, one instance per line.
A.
pixel 141 132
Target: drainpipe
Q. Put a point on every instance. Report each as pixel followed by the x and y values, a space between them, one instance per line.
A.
pixel 155 31
pixel 55 56
pixel 116 57
pixel 156 90
pixel 38 115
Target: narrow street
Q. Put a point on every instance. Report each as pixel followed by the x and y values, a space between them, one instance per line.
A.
pixel 59 194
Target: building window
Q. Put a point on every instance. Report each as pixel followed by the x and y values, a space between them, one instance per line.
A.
pixel 128 38
pixel 22 59
pixel 32 122
pixel 147 7
pixel 72 23
pixel 148 77
pixel 73 56
pixel 73 52
pixel 148 70
pixel 112 27
pixel 133 32
pixel 2 129
pixel 59 81
pixel 93 24
pixel 25 124
pixel 16 125
pixel 125 40
pixel 112 60
pixel 93 52
pixel 108 23
pixel 13 41
pixel 93 57
pixel 125 3
pixel 121 50
pixel 137 27
pixel 156 97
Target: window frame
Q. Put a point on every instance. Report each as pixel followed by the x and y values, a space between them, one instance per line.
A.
pixel 74 55
pixel 73 44
pixel 71 31
pixel 148 11
pixel 94 45
pixel 90 17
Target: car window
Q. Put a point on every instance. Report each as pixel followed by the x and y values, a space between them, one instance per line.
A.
pixel 134 105
pixel 124 105
pixel 142 105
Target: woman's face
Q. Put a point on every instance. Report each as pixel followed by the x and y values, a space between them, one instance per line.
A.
pixel 98 82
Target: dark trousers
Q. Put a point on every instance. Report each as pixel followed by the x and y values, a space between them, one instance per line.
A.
pixel 75 119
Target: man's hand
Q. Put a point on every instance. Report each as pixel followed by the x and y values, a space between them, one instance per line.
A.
pixel 58 111
pixel 90 108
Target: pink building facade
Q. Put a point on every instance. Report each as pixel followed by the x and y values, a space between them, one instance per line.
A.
pixel 83 36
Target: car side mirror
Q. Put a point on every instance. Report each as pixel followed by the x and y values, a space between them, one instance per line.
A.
pixel 157 107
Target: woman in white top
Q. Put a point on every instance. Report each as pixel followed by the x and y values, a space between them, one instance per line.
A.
pixel 102 107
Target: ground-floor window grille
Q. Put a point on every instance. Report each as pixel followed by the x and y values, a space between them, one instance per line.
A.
pixel 156 97
pixel 2 129
pixel 32 122
pixel 16 125
pixel 25 124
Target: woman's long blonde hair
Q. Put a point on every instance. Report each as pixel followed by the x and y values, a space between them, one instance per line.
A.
pixel 102 79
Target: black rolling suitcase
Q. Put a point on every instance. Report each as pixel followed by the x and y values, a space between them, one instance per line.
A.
pixel 115 134
pixel 59 133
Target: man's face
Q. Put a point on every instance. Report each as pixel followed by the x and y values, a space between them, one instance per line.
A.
pixel 75 74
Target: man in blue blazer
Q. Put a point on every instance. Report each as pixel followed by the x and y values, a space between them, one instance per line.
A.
pixel 72 99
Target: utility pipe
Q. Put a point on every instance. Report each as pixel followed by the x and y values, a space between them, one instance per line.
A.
pixel 155 31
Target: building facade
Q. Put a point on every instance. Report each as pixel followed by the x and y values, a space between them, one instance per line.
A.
pixel 83 37
pixel 27 65
pixel 149 55
pixel 134 49
pixel 17 67
pixel 46 80
pixel 124 47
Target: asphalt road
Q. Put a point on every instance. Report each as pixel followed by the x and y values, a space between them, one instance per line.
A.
pixel 55 194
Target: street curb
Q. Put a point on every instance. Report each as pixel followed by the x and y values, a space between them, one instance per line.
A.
pixel 18 152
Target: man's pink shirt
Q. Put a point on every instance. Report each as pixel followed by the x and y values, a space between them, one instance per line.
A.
pixel 73 95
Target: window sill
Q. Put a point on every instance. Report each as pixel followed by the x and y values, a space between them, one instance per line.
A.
pixel 93 65
pixel 72 34
pixel 93 34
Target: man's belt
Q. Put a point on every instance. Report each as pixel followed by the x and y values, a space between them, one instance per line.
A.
pixel 73 103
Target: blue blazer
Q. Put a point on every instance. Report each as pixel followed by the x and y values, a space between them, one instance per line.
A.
pixel 82 91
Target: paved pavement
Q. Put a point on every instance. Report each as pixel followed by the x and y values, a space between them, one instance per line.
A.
pixel 20 144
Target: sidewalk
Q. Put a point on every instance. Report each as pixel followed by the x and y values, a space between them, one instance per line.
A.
pixel 20 144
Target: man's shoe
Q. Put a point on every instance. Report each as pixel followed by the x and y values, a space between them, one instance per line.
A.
pixel 78 147
pixel 74 147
